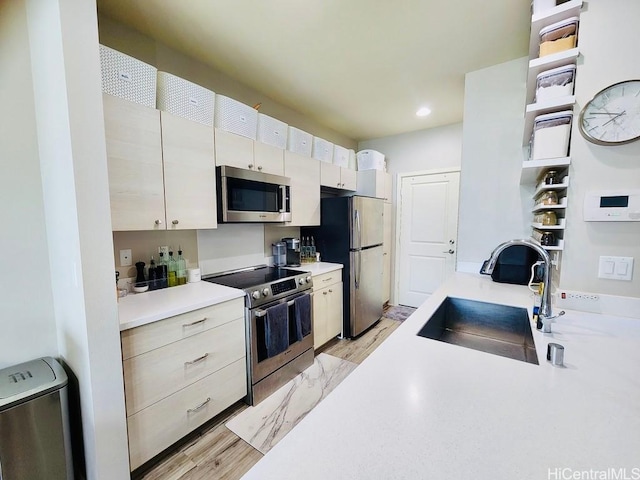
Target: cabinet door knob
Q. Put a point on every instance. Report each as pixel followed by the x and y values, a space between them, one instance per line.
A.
pixel 338 184
pixel 324 293
pixel 260 167
pixel 158 222
pixel 251 165
pixel 175 222
pixel 342 184
pixel 330 291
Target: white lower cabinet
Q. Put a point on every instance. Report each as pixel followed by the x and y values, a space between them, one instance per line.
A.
pixel 327 307
pixel 181 372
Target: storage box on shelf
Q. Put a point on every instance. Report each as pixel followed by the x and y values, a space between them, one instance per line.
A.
pixel 299 141
pixel 551 134
pixel 370 160
pixel 272 131
pixel 559 37
pixel 184 99
pixel 322 149
pixel 127 77
pixel 235 117
pixel 340 156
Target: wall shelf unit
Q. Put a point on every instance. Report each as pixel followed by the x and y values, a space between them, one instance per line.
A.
pixel 534 109
pixel 559 226
pixel 539 207
pixel 533 169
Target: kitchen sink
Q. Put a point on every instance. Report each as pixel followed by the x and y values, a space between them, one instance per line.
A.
pixel 488 327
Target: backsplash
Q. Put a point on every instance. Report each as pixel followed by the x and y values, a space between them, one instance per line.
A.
pixel 228 247
pixel 143 244
pixel 233 246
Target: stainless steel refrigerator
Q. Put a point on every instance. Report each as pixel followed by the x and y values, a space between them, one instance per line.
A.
pixel 351 234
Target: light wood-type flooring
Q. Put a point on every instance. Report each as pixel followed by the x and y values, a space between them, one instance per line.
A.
pixel 219 454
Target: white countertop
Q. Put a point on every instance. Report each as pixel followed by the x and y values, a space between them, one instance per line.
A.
pixel 319 268
pixel 139 309
pixel 422 409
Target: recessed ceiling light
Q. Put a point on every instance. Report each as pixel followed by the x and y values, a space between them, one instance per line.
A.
pixel 423 112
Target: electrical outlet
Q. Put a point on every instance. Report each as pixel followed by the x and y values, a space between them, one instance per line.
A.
pixel 579 296
pixel 125 258
pixel 164 251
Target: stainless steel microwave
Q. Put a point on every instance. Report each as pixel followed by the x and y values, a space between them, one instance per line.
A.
pixel 246 196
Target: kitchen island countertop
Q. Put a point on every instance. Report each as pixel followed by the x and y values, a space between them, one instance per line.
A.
pixel 418 408
pixel 136 310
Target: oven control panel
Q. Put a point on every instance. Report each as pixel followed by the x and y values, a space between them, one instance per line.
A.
pixel 284 286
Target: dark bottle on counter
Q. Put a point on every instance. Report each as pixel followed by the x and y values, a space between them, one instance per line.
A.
pixel 162 270
pixel 140 280
pixel 153 275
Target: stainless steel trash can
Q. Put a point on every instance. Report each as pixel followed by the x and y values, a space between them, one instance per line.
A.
pixel 34 422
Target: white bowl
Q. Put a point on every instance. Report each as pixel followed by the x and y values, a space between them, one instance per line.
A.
pixel 141 289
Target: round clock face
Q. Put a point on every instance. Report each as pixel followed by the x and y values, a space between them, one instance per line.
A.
pixel 612 117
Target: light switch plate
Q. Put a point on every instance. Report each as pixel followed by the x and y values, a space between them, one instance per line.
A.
pixel 615 268
pixel 125 258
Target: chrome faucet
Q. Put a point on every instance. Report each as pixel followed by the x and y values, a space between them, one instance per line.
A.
pixel 545 312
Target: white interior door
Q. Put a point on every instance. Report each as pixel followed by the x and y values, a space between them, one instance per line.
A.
pixel 428 234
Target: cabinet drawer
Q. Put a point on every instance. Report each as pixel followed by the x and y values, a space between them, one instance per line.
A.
pixel 154 375
pixel 164 423
pixel 325 279
pixel 137 341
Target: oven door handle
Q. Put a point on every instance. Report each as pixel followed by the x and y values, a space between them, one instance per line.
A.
pixel 262 313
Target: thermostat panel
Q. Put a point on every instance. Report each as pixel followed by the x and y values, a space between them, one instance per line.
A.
pixel 612 206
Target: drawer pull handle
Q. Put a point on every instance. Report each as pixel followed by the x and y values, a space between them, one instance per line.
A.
pixel 328 279
pixel 199 407
pixel 197 360
pixel 194 323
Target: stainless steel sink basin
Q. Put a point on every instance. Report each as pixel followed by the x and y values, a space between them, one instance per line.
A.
pixel 487 327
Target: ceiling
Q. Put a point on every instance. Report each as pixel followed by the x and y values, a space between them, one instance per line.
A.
pixel 360 67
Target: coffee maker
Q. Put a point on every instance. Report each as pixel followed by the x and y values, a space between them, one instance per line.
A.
pixel 293 251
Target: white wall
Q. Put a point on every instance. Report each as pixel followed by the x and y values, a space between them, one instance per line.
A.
pixel 429 149
pixel 609 39
pixel 26 304
pixel 68 102
pixel 493 206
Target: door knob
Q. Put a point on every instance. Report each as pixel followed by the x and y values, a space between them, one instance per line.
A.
pixel 450 251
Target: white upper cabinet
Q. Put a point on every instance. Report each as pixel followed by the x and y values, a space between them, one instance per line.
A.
pixel 304 173
pixel 242 152
pixel 161 169
pixel 337 177
pixel 134 156
pixel 189 174
pixel 375 183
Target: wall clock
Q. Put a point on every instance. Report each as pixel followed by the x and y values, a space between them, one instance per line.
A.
pixel 612 116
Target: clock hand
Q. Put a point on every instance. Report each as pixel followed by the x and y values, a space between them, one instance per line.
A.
pixel 613 118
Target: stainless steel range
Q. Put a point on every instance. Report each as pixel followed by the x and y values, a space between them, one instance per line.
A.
pixel 279 325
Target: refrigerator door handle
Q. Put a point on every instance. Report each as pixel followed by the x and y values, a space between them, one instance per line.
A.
pixel 358 269
pixel 359 229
